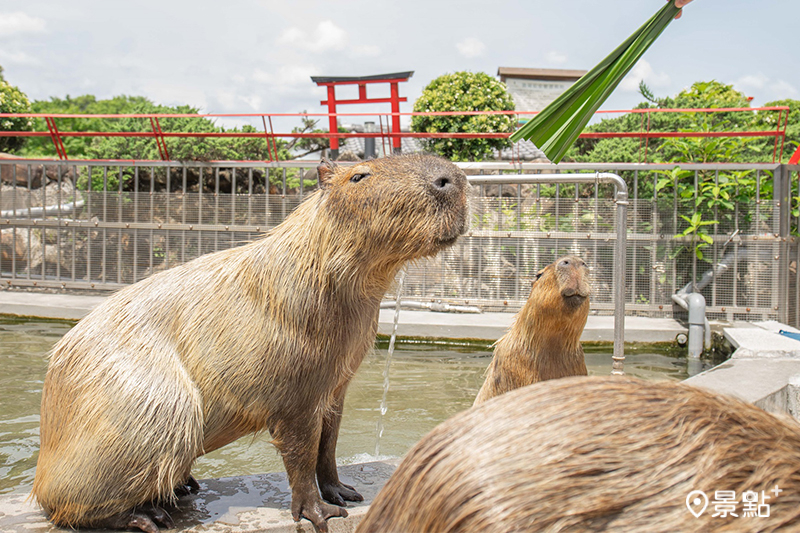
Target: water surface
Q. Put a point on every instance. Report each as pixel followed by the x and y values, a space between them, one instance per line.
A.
pixel 428 384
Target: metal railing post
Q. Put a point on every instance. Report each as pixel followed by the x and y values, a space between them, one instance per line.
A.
pixel 620 246
pixel 783 208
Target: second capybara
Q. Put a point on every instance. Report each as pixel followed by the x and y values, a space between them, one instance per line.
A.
pixel 544 341
pixel 262 337
pixel 609 454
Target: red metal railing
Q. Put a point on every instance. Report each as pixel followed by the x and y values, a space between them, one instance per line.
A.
pixel 271 136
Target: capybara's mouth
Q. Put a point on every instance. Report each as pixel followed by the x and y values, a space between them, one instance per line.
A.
pixel 448 241
pixel 574 300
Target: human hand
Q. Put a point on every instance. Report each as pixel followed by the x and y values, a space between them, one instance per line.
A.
pixel 680 3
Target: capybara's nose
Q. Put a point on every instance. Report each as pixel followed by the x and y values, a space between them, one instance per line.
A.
pixel 447 184
pixel 442 183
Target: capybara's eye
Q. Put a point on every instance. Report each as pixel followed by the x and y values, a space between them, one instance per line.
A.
pixel 538 275
pixel 358 177
pixel 565 262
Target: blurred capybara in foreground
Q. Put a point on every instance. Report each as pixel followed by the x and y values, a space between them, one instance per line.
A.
pixel 544 341
pixel 598 454
pixel 262 337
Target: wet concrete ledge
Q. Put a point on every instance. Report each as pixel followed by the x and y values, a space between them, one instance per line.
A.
pixel 246 504
pixel 424 324
pixel 764 370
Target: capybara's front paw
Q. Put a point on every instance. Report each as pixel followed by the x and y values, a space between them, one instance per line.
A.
pixel 317 512
pixel 338 493
pixel 146 518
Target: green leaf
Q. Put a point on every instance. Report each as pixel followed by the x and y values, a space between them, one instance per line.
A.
pixel 556 127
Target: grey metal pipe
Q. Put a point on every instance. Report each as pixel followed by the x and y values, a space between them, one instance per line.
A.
pixel 48 211
pixel 697 323
pixel 698 338
pixel 620 250
pixel 439 307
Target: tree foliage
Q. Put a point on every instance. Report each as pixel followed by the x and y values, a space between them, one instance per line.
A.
pixel 464 91
pixel 12 100
pixel 179 148
pixel 702 94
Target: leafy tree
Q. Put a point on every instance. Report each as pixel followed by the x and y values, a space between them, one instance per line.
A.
pixel 77 147
pixel 464 91
pixel 302 146
pixel 12 100
pixel 179 148
pixel 701 94
pixel 768 120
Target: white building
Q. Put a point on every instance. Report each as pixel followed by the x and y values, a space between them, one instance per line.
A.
pixel 534 88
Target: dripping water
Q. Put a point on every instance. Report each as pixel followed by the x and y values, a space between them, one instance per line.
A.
pixel 379 430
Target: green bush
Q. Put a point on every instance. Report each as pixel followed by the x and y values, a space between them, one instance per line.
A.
pixel 464 91
pixel 12 100
pixel 77 147
pixel 702 94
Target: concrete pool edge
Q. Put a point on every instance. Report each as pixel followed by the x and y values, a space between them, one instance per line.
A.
pixel 764 369
pixel 426 324
pixel 242 504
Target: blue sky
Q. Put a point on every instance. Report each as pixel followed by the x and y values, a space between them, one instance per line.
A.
pixel 248 56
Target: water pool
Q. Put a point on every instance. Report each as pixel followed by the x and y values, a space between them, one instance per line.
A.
pixel 428 384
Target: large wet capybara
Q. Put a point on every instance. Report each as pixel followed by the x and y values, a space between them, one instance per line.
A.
pixel 266 336
pixel 544 341
pixel 608 454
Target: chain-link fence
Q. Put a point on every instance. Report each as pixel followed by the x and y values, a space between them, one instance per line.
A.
pixel 729 228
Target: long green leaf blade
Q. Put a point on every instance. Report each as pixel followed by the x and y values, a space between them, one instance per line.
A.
pixel 557 126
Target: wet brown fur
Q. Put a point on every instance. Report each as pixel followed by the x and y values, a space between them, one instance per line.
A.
pixel 594 454
pixel 544 339
pixel 261 337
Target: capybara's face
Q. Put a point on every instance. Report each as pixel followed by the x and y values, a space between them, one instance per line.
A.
pixel 563 284
pixel 410 205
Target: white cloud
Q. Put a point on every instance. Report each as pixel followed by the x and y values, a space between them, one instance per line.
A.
pixel 327 36
pixel 172 93
pixel 784 89
pixel 254 101
pixel 751 81
pixel 644 71
pixel 286 78
pixel 367 50
pixel 555 58
pixel 471 47
pixel 765 88
pixel 19 23
pixel 18 58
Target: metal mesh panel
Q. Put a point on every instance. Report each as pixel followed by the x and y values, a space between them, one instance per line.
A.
pixel 102 226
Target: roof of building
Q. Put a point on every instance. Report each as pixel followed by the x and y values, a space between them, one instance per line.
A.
pixel 355 79
pixel 539 73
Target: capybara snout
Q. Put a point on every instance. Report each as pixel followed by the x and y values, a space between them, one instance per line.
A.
pixel 396 198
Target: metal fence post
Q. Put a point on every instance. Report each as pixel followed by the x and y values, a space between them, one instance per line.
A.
pixel 783 209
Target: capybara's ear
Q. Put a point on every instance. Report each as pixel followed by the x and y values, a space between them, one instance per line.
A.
pixel 325 171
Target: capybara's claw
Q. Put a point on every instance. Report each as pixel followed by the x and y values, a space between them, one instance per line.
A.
pixel 338 493
pixel 317 512
pixel 193 485
pixel 190 486
pixel 161 517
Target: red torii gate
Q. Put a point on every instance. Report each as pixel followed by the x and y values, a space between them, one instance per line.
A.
pixel 332 81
